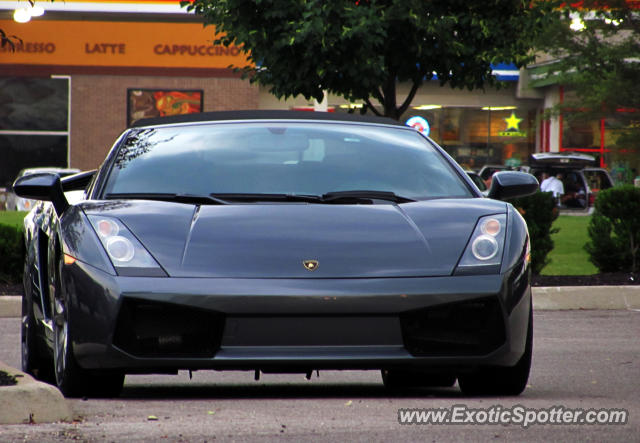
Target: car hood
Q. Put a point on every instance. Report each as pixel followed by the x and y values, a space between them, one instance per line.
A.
pixel 274 240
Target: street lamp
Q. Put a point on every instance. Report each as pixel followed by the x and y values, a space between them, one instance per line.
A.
pixel 23 15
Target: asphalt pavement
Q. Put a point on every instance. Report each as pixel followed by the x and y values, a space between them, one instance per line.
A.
pixel 31 401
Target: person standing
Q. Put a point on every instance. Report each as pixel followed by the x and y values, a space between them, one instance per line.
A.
pixel 553 184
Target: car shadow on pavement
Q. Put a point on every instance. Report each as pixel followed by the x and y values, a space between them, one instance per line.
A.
pixel 280 390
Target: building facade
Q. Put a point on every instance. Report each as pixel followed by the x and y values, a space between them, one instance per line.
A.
pixel 82 74
pixel 73 85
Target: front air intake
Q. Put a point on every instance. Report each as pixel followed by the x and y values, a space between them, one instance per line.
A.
pixel 155 329
pixel 473 328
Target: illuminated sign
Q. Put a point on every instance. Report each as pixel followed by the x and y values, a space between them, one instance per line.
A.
pixel 117 44
pixel 92 6
pixel 513 129
pixel 420 124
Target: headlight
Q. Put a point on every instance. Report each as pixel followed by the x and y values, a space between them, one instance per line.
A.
pixel 120 249
pixel 126 253
pixel 484 247
pixel 483 254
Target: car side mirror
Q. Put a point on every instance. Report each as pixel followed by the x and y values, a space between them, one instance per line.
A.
pixel 42 186
pixel 506 185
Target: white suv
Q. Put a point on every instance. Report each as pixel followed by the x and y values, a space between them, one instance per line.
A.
pixel 581 180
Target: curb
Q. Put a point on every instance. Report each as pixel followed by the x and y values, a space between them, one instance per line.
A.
pixel 31 401
pixel 586 297
pixel 10 306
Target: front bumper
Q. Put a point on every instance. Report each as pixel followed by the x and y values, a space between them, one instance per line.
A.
pixel 145 324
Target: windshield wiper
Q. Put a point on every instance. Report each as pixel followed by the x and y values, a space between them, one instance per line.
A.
pixel 258 197
pixel 363 196
pixel 338 197
pixel 180 198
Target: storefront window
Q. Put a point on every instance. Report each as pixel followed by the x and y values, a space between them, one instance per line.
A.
pixel 24 151
pixel 479 136
pixel 622 153
pixel 34 126
pixel 612 141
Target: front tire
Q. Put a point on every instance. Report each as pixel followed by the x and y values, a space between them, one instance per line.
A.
pixel 71 379
pixel 33 362
pixel 510 381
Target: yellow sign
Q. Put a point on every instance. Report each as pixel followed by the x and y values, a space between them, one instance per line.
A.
pixel 117 44
pixel 513 130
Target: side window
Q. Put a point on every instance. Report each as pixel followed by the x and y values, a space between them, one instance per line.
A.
pixel 603 179
pixel 598 180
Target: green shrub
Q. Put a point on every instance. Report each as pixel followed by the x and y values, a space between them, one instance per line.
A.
pixel 614 231
pixel 11 254
pixel 539 211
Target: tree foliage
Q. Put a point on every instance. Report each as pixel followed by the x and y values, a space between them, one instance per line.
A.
pixel 600 62
pixel 9 41
pixel 361 49
pixel 11 253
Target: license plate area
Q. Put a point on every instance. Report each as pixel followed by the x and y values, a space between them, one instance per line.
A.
pixel 312 331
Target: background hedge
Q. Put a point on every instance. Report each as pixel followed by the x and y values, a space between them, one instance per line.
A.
pixel 614 230
pixel 539 211
pixel 11 254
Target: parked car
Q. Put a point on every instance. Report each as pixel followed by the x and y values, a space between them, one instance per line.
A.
pixel 277 242
pixel 15 203
pixel 487 171
pixel 581 180
pixel 3 198
pixel 478 181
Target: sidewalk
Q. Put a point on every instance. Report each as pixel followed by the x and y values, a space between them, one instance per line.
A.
pixel 586 297
pixel 31 401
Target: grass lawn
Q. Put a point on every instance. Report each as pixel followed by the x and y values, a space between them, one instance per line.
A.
pixel 568 256
pixel 12 217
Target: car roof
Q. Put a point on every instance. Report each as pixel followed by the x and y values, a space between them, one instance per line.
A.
pixel 263 115
pixel 490 166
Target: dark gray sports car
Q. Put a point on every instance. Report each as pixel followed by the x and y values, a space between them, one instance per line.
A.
pixel 277 242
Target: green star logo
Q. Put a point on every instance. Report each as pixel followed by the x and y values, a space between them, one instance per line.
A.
pixel 513 122
pixel 513 127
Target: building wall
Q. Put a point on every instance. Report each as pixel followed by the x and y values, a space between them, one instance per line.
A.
pixel 551 99
pixel 99 107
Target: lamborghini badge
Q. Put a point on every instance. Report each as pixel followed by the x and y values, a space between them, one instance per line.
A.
pixel 310 265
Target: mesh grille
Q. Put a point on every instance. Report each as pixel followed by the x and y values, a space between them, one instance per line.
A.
pixel 155 329
pixel 474 327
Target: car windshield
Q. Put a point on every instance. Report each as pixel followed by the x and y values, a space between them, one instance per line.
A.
pixel 281 158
